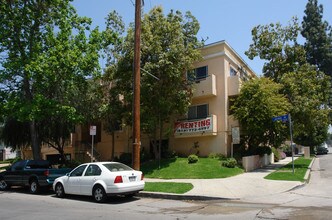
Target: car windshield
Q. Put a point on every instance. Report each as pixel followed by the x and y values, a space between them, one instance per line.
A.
pixel 115 167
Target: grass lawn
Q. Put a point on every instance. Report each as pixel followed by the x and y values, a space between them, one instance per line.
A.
pixel 168 187
pixel 179 168
pixel 286 173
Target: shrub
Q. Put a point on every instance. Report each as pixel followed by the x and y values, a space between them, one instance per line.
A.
pixel 194 149
pixel 145 156
pixel 71 164
pixel 282 155
pixel 229 162
pixel 126 158
pixel 276 154
pixel 217 156
pixel 170 154
pixel 192 158
pixel 263 150
pixel 287 149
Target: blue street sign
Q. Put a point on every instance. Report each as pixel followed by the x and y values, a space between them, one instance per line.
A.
pixel 280 118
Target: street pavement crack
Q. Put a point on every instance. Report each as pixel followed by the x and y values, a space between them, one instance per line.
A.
pixel 312 196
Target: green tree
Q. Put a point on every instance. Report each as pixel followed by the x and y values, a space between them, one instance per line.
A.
pixel 18 139
pixel 318 35
pixel 307 91
pixel 169 48
pixel 258 102
pixel 278 46
pixel 318 44
pixel 49 53
pixel 287 65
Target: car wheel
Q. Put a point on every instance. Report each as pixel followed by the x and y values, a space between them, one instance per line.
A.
pixel 34 186
pixel 59 190
pixel 99 194
pixel 3 184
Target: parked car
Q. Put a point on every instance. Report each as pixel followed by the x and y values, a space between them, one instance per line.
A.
pixel 322 149
pixel 100 180
pixel 33 173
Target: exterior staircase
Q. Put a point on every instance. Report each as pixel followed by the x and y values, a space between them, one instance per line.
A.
pixel 96 155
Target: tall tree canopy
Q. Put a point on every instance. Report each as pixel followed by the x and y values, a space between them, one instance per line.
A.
pixel 169 48
pixel 318 44
pixel 307 90
pixel 279 47
pixel 318 35
pixel 306 87
pixel 47 54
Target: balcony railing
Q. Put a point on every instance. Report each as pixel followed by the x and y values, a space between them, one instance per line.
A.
pixel 205 87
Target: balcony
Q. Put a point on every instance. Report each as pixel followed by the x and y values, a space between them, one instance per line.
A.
pixel 205 87
pixel 234 85
pixel 196 128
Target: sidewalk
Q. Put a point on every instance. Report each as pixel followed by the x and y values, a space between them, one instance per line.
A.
pixel 251 184
pixel 3 165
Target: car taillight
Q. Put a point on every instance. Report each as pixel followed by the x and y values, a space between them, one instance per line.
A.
pixel 118 179
pixel 142 176
pixel 46 172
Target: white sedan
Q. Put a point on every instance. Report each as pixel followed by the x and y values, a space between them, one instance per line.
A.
pixel 100 179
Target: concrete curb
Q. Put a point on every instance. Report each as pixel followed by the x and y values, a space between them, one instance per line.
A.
pixel 307 174
pixel 181 197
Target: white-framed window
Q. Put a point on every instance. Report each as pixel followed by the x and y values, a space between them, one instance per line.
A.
pixel 198 111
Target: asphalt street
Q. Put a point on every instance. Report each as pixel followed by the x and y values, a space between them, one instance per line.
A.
pixel 310 201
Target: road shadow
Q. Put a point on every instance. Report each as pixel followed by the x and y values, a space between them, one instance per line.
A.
pixel 112 200
pixel 25 190
pixel 268 168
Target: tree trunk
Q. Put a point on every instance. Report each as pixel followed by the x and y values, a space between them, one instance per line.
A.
pixel 160 137
pixel 154 144
pixel 35 144
pixel 113 145
pixel 62 156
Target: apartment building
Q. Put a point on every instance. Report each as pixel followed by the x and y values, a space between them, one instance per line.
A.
pixel 208 125
pixel 206 128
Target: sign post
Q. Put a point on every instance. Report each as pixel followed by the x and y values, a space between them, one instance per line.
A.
pixel 291 136
pixel 288 118
pixel 93 131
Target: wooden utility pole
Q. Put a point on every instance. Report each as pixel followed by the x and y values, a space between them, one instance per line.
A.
pixel 137 90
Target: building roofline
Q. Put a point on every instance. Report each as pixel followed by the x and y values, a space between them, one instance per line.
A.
pixel 232 49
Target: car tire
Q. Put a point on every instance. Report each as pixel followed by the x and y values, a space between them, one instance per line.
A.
pixel 3 185
pixel 59 190
pixel 34 186
pixel 99 194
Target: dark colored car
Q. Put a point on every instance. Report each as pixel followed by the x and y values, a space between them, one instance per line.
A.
pixel 321 150
pixel 35 174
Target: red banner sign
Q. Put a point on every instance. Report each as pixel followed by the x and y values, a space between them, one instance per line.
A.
pixel 193 126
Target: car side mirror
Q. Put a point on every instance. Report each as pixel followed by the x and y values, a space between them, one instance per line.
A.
pixel 9 168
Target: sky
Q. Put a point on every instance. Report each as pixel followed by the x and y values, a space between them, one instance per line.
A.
pixel 229 20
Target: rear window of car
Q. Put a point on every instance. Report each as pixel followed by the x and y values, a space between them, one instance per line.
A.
pixel 116 167
pixel 38 164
